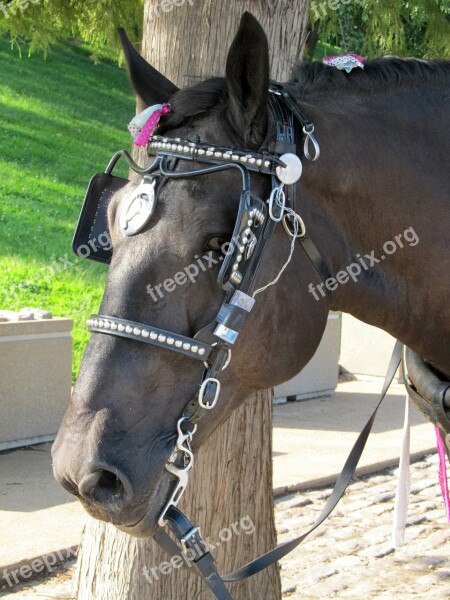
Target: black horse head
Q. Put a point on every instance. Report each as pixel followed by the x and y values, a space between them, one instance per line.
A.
pixel 120 428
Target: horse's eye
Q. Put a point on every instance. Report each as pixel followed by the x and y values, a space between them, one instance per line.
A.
pixel 216 243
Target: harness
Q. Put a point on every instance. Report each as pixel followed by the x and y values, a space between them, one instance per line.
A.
pixel 254 228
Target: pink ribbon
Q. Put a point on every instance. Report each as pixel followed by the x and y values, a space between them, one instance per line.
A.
pixel 150 126
pixel 443 480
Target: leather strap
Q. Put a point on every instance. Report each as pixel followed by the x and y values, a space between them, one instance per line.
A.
pixel 201 557
pixel 178 521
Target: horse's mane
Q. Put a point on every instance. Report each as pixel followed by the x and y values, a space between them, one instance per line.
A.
pixel 309 78
pixel 377 74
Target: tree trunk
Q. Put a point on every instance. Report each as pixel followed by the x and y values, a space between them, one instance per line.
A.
pixel 230 487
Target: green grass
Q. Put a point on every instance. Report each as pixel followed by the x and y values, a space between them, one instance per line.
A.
pixel 61 119
pixel 323 49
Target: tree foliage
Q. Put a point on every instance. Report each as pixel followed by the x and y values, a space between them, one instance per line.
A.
pixel 371 27
pixel 39 23
pixel 376 27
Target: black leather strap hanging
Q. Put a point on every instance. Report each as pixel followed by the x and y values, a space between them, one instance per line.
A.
pixel 178 522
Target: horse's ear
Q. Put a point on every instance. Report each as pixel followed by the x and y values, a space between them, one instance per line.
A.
pixel 148 83
pixel 248 81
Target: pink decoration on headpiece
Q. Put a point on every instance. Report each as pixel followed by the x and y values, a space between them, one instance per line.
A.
pixel 150 126
pixel 443 472
pixel 344 62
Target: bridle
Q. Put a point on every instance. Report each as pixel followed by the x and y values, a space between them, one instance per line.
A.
pixel 254 228
pixel 255 224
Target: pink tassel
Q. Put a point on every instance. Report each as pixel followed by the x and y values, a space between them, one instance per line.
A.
pixel 150 126
pixel 443 472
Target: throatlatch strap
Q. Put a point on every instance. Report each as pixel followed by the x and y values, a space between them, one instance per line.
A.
pixel 342 483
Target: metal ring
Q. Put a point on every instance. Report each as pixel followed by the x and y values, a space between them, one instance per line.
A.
pixel 181 433
pixel 302 229
pixel 279 192
pixel 309 131
pixel 202 393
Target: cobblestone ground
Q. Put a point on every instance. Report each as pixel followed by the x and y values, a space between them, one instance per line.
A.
pixel 351 556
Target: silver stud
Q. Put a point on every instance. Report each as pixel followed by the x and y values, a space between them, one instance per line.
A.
pixel 113 326
pixel 247 231
pixel 244 239
pixel 145 333
pixel 259 162
pixel 178 343
pixel 250 222
pixel 201 152
pixel 227 155
pixel 202 351
pixel 252 212
pixel 120 328
pixel 153 335
pixel 241 249
pixel 267 163
pixel 170 341
pixel 165 139
pixel 162 338
pixel 186 346
pixel 128 329
pixel 239 258
pixel 235 157
pixel 178 140
pixel 107 324
pixel 252 161
pixel 235 266
pixel 180 148
pixel 186 149
pixel 194 349
pixel 218 154
pixel 100 323
pixel 236 278
pixel 244 159
pixel 209 153
pixel 137 331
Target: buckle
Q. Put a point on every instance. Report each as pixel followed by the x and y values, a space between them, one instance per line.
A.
pixel 208 404
pixel 193 542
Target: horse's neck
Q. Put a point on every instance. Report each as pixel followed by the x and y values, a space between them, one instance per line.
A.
pixel 376 205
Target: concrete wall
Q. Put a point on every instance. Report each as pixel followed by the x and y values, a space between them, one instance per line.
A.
pixel 35 379
pixel 320 376
pixel 365 350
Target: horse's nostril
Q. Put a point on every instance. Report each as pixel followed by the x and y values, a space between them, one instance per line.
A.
pixel 105 488
pixel 70 487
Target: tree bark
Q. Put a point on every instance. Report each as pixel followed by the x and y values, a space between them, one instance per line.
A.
pixel 231 482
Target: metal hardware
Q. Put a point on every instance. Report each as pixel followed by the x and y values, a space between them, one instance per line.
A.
pixel 202 392
pixel 301 225
pixel 182 474
pixel 277 199
pixel 308 130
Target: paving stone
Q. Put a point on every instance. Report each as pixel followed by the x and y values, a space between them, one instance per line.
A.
pixel 439 537
pixel 293 501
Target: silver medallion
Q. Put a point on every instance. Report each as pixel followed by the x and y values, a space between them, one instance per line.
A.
pixel 138 207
